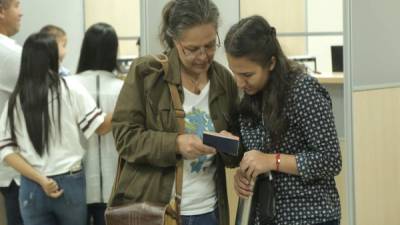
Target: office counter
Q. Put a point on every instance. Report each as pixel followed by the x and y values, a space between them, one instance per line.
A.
pixel 329 78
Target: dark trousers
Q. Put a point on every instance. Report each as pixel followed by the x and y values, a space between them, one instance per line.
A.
pixel 10 195
pixel 333 222
pixel 210 218
pixel 96 213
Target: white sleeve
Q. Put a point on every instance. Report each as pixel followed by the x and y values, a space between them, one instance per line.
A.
pixel 89 116
pixel 7 146
pixel 10 71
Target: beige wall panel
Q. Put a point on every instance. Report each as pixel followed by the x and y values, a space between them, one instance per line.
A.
pixel 293 46
pixel 124 15
pixel 376 134
pixel 285 15
pixel 232 197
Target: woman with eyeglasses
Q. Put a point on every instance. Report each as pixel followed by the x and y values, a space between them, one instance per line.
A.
pixel 145 126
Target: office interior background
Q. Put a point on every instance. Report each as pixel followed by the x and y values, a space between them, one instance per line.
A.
pixel 366 95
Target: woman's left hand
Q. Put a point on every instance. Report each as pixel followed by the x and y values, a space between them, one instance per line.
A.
pixel 255 162
pixel 51 188
pixel 228 134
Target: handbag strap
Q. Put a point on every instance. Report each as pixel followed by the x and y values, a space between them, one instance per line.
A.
pixel 180 116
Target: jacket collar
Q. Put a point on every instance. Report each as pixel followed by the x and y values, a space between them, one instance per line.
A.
pixel 217 86
pixel 174 68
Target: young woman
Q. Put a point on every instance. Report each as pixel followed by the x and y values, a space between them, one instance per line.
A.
pixel 39 136
pixel 97 70
pixel 145 126
pixel 286 126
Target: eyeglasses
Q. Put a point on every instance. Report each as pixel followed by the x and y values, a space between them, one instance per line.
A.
pixel 208 49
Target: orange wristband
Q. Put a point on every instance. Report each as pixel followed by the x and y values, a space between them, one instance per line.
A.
pixel 277 161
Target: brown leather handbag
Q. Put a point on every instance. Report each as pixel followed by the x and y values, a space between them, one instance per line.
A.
pixel 146 213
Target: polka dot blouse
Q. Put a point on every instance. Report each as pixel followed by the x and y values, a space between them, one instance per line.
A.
pixel 311 197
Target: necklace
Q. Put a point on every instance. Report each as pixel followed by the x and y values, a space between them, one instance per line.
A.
pixel 195 84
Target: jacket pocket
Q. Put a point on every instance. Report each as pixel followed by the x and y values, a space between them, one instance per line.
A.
pixel 146 183
pixel 166 113
pixel 166 119
pixel 160 114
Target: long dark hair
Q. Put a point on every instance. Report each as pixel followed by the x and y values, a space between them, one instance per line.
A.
pixel 99 49
pixel 178 16
pixel 37 77
pixel 254 39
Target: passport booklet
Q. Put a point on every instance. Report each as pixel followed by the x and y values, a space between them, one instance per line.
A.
pixel 225 144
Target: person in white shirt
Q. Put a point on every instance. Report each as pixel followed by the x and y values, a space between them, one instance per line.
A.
pixel 96 72
pixel 39 136
pixel 10 57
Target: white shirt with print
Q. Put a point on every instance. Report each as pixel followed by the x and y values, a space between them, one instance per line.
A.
pixel 198 190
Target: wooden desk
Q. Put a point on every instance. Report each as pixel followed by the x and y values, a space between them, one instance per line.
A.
pixel 329 78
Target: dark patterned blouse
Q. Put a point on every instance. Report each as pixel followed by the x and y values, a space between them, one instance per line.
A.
pixel 311 197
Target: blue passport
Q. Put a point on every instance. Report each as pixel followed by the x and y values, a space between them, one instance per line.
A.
pixel 225 144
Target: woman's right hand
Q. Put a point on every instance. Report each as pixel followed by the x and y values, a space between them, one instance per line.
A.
pixel 51 188
pixel 191 147
pixel 243 186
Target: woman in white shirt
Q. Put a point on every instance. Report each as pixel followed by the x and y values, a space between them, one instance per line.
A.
pixel 97 69
pixel 39 136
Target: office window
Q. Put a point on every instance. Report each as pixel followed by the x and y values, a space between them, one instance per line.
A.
pixel 325 15
pixel 128 48
pixel 123 15
pixel 319 46
pixel 304 27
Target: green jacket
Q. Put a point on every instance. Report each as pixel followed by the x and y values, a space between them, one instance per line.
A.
pixel 145 131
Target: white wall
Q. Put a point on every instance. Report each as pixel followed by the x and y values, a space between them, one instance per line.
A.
pixel 375 44
pixel 67 14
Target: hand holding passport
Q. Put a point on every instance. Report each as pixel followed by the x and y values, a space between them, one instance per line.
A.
pixel 223 143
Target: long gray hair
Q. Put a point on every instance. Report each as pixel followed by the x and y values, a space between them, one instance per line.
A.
pixel 180 15
pixel 5 3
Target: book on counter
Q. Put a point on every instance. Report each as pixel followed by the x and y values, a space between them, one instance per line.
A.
pixel 225 144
